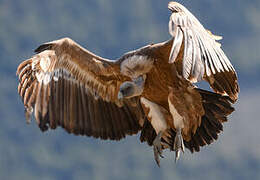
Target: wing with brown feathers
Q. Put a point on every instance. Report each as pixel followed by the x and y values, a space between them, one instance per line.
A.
pixel 66 85
pixel 201 56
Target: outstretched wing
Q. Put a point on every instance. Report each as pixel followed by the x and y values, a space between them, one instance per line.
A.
pixel 66 85
pixel 201 56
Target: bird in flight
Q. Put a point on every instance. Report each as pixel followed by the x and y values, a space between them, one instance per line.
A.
pixel 149 90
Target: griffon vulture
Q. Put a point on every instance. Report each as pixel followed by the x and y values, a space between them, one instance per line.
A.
pixel 149 90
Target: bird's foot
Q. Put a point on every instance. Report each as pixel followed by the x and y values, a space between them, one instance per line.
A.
pixel 178 145
pixel 157 148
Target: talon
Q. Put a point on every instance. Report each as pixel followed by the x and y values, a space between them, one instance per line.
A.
pixel 178 145
pixel 156 156
pixel 157 148
pixel 161 156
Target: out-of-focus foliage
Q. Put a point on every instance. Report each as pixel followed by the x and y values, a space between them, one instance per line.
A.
pixel 110 28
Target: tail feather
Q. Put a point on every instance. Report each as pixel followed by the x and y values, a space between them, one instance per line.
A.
pixel 217 107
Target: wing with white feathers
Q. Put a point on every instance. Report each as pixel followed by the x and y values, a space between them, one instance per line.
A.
pixel 202 57
pixel 66 85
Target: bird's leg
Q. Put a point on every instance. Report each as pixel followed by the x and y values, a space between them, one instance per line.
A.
pixel 178 144
pixel 157 148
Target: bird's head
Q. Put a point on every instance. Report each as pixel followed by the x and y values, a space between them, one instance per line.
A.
pixel 133 88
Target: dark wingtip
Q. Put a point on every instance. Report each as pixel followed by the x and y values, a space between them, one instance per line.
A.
pixel 43 47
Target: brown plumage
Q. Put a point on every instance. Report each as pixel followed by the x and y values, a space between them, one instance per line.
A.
pixel 65 90
pixel 148 90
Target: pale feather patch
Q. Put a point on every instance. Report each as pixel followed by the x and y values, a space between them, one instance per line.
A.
pixel 47 78
pixel 45 63
pixel 40 76
pixel 44 78
pixel 136 65
pixel 177 118
pixel 46 59
pixel 157 119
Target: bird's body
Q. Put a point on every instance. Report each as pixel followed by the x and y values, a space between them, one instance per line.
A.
pixel 149 90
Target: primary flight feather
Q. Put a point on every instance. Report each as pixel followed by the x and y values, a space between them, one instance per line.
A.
pixel 149 90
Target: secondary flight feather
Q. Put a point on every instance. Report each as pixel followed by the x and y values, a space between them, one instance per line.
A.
pixel 149 90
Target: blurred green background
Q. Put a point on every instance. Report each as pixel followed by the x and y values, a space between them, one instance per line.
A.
pixel 110 28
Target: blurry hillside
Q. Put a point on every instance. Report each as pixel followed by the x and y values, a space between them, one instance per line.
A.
pixel 109 28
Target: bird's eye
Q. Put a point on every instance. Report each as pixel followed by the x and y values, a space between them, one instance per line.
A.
pixel 127 88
